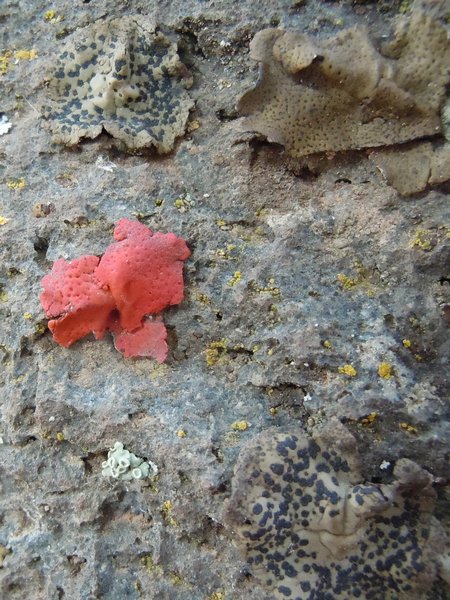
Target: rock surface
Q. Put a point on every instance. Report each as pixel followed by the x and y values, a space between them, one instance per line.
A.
pixel 294 278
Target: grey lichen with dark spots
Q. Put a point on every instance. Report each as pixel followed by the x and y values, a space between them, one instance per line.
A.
pixel 310 531
pixel 123 76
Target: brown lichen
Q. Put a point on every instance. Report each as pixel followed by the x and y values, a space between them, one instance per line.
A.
pixel 411 168
pixel 342 92
pixel 122 76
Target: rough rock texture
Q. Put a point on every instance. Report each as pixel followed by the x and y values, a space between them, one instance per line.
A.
pixel 123 76
pixel 338 93
pixel 291 277
pixel 308 532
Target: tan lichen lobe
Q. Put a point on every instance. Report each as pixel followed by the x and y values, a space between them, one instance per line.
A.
pixel 412 167
pixel 123 76
pixel 310 530
pixel 325 95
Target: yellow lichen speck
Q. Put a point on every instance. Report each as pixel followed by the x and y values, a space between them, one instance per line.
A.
pixel 150 565
pixel 181 433
pixel 240 425
pixel 385 370
pixel 409 428
pixel 25 54
pixel 166 511
pixel 406 343
pixel 369 419
pixel 327 344
pixel 347 282
pixel 27 316
pixel 215 350
pixel 3 220
pixel 51 16
pixel 203 299
pixel 217 596
pixel 237 276
pixel 4 61
pixel 16 183
pixel 348 370
pixel 423 240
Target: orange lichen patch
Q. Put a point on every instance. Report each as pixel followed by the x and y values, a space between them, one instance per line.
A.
pixel 343 92
pixel 76 302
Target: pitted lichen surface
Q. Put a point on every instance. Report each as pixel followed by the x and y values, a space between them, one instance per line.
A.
pixel 123 76
pixel 310 532
pixel 342 92
pixel 411 168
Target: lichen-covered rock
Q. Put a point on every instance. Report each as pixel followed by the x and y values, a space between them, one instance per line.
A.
pixel 123 76
pixel 310 532
pixel 342 92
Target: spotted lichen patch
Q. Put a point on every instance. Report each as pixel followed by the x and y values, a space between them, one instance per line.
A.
pixel 123 76
pixel 345 91
pixel 309 530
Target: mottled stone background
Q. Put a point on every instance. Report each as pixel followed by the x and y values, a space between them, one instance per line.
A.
pixel 291 277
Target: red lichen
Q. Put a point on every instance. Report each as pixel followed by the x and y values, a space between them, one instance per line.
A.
pixel 148 340
pixel 72 294
pixel 143 271
pixel 140 274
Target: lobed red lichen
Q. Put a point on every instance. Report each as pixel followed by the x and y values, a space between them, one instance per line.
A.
pixel 140 274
